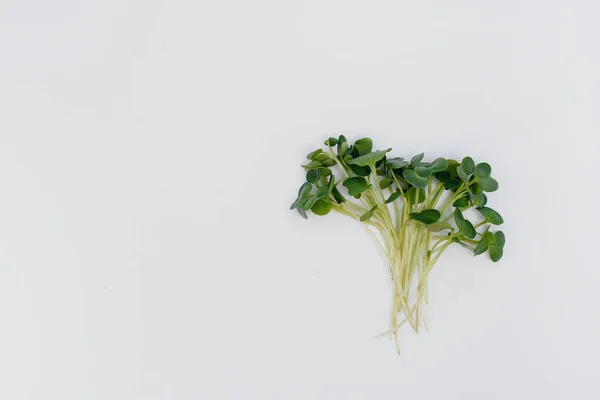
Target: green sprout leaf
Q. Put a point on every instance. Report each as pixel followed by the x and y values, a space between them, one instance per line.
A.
pixel 385 183
pixel 496 250
pixel 369 158
pixel 426 216
pixel 331 142
pixel 360 171
pixel 313 175
pixel 452 183
pixel 480 248
pixel 425 170
pixel 396 163
pixel 490 215
pixel 462 174
pixel 366 216
pixel 461 202
pixel 414 179
pixel 468 165
pixel 321 207
pixel 442 176
pixel 438 226
pixel 356 185
pixel 479 200
pixel 303 195
pixel 339 198
pixel 488 184
pixel 465 227
pixel 416 159
pixel 452 166
pixel 475 188
pixel 364 146
pixel 312 155
pixel 483 170
pixel 392 197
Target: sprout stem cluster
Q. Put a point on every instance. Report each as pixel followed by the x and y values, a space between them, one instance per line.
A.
pixel 413 210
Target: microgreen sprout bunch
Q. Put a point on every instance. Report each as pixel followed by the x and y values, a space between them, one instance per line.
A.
pixel 413 209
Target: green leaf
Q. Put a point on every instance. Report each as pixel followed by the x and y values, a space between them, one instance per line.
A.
pixel 411 196
pixel 462 174
pixel 321 207
pixel 426 216
pixel 464 226
pixel 442 176
pixel 356 185
pixel 392 197
pixel 425 170
pixel 331 142
pixel 343 148
pixel 488 184
pixel 489 238
pixel 302 212
pixel 303 195
pixel 479 200
pixel 324 159
pixel 491 215
pixel 368 214
pixel 339 198
pixel 396 163
pixel 313 175
pixel 438 226
pixel 369 159
pixel 483 170
pixel 360 171
pixel 452 183
pixel 461 202
pixel 307 205
pixel 364 146
pixel 467 165
pixel 312 155
pixel 414 179
pixel 475 188
pixel 452 165
pixel 322 191
pixel 496 250
pixel 480 248
pixel 385 183
pixel 416 159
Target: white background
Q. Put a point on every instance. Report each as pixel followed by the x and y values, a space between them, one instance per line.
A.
pixel 149 152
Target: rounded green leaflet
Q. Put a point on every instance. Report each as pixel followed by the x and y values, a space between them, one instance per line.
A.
pixel 321 207
pixel 489 238
pixel 312 154
pixel 461 202
pixel 462 174
pixel 312 165
pixel 475 188
pixel 303 195
pixel 339 198
pixel 369 159
pixel 479 200
pixel 468 165
pixel 313 175
pixel 385 183
pixel 442 176
pixel 414 179
pixel 426 216
pixel 360 171
pixel 496 250
pixel 302 212
pixel 464 226
pixel 324 159
pixel 364 146
pixel 396 163
pixel 488 184
pixel 392 197
pixel 491 215
pixel 425 170
pixel 480 248
pixel 452 184
pixel 452 166
pixel 416 159
pixel 414 198
pixel 356 185
pixel 366 216
pixel 343 148
pixel 438 226
pixel 331 142
pixel 483 170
